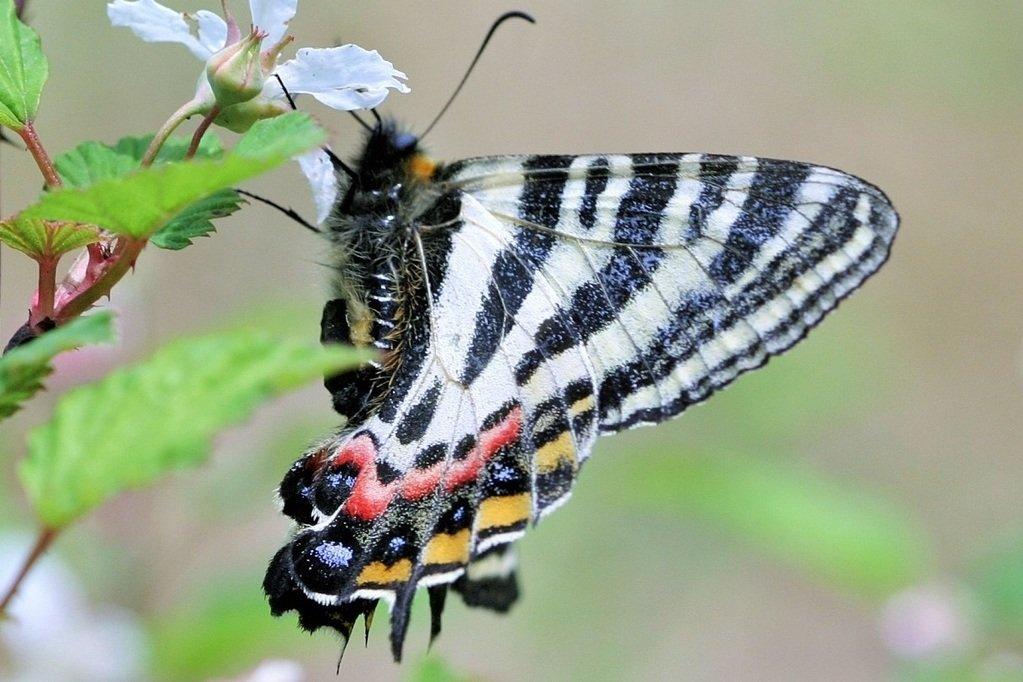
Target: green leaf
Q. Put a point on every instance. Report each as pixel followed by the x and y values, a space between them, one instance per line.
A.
pixel 23 69
pixel 139 423
pixel 196 220
pixel 40 239
pixel 286 135
pixel 173 149
pixel 92 162
pixel 23 369
pixel 850 539
pixel 143 202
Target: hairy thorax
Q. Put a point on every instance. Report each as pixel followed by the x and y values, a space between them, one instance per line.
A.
pixel 378 291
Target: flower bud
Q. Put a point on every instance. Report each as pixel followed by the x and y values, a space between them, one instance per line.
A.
pixel 236 72
pixel 240 117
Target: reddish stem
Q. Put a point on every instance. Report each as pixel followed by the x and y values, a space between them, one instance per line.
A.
pixel 127 251
pixel 47 291
pixel 204 125
pixel 35 147
pixel 43 542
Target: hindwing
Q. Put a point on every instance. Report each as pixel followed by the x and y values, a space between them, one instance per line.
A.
pixel 552 299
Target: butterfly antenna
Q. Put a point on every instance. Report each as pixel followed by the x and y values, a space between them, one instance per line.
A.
pixel 479 53
pixel 291 100
pixel 290 212
pixel 358 118
pixel 338 163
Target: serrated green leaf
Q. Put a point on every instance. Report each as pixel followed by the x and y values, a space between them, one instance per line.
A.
pixel 173 149
pixel 196 220
pixel 23 69
pixel 143 202
pixel 23 369
pixel 92 162
pixel 286 135
pixel 139 423
pixel 41 239
pixel 850 539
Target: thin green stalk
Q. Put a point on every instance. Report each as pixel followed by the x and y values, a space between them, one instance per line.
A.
pixel 188 109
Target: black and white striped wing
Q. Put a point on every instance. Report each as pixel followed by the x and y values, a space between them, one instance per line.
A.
pixel 648 281
pixel 556 298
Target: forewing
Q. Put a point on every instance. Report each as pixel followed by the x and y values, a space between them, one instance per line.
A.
pixel 554 299
pixel 679 272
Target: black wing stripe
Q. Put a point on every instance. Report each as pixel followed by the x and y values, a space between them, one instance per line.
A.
pixel 786 331
pixel 768 204
pixel 540 202
pixel 598 301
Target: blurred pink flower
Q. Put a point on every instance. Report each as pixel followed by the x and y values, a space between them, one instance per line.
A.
pixel 54 633
pixel 928 621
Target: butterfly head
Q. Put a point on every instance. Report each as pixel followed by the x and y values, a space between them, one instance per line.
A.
pixel 391 155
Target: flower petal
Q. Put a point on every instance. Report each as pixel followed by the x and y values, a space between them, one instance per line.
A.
pixel 154 23
pixel 212 30
pixel 272 16
pixel 345 78
pixel 319 170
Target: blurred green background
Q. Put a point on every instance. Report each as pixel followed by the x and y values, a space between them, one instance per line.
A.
pixel 851 512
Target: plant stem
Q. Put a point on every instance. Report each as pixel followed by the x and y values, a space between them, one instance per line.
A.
pixel 207 121
pixel 177 118
pixel 46 537
pixel 129 250
pixel 47 290
pixel 35 148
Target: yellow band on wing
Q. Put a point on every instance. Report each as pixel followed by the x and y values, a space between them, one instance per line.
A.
pixel 507 510
pixel 378 573
pixel 551 455
pixel 448 548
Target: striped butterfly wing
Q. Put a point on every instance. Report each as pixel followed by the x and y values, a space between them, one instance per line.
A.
pixel 558 298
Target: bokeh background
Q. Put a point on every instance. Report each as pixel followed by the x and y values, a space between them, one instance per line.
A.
pixel 851 512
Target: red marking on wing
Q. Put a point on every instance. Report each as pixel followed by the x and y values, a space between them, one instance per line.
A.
pixel 370 497
pixel 490 441
pixel 418 483
pixel 359 451
pixel 421 482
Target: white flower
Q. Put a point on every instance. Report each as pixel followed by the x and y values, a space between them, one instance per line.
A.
pixel 319 170
pixel 343 78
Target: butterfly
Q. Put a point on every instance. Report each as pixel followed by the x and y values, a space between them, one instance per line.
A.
pixel 523 306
